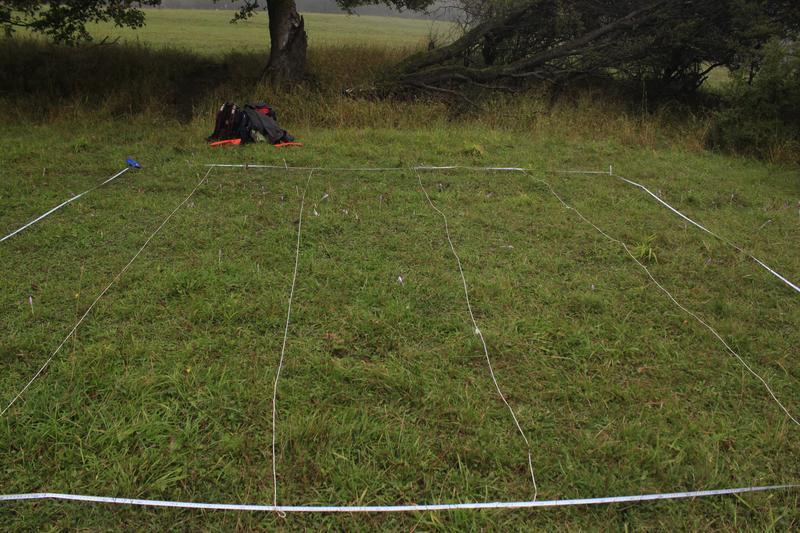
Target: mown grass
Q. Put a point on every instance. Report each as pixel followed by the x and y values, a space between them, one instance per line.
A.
pixel 385 398
pixel 180 28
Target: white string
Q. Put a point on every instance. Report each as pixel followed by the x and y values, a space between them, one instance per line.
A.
pixel 371 169
pixel 395 169
pixel 104 291
pixel 609 172
pixel 283 347
pixel 723 239
pixel 62 204
pixel 671 297
pixel 480 335
pixel 733 245
pixel 282 509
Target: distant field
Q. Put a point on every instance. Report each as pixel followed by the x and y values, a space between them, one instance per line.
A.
pixel 210 31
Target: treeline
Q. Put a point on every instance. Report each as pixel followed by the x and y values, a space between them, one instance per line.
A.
pixel 439 11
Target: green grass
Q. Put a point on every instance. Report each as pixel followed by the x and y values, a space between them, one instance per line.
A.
pixel 209 32
pixel 386 398
pixel 166 390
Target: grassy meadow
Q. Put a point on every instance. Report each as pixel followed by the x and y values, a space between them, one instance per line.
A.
pixel 210 31
pixel 165 392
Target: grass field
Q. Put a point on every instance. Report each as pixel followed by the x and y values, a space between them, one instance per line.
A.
pixel 385 397
pixel 209 31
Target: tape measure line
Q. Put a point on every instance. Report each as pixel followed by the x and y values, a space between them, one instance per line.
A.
pixel 281 509
pixel 102 293
pixel 283 346
pixel 64 203
pixel 479 333
pixel 733 245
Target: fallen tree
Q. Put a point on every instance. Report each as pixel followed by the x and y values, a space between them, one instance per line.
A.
pixel 669 45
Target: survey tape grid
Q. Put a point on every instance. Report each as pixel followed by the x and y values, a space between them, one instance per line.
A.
pixel 102 293
pixel 389 508
pixel 609 172
pixel 64 203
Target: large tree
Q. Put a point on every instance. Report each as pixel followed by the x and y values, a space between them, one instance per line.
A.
pixel 288 39
pixel 66 20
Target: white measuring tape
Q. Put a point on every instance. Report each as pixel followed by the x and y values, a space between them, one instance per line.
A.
pixel 391 508
pixel 698 225
pixel 102 293
pixel 479 333
pixel 62 204
pixel 609 172
pixel 396 169
pixel 283 346
pixel 369 169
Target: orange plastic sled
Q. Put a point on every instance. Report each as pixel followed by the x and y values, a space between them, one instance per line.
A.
pixel 233 142
pixel 283 145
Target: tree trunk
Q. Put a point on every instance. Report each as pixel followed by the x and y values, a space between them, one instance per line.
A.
pixel 288 42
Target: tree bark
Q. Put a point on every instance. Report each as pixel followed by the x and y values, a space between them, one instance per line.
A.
pixel 288 42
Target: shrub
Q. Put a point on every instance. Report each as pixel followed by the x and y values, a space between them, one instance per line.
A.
pixel 762 112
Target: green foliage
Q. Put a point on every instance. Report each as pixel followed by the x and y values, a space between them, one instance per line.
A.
pixel 762 112
pixel 670 49
pixel 65 21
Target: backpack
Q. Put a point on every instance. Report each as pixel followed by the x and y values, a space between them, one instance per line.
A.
pixel 254 123
pixel 231 123
pixel 264 124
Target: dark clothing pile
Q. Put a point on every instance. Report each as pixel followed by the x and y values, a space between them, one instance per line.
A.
pixel 253 123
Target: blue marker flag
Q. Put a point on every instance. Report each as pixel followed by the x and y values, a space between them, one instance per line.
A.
pixel 133 163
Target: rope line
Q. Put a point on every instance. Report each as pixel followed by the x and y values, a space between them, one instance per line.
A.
pixel 281 509
pixel 671 297
pixel 371 169
pixel 609 172
pixel 400 169
pixel 8 498
pixel 62 204
pixel 713 234
pixel 283 348
pixel 102 293
pixel 479 333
